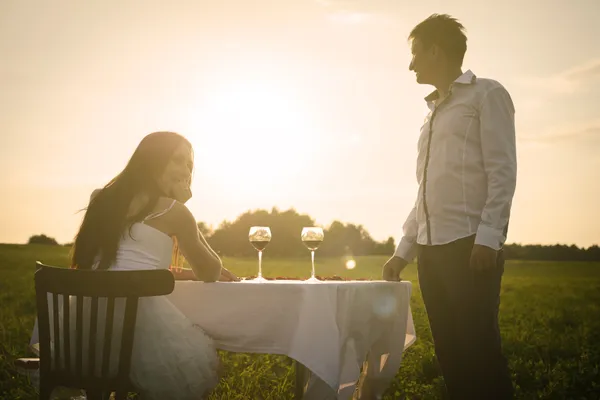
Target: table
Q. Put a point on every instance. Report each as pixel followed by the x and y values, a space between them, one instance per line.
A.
pixel 330 327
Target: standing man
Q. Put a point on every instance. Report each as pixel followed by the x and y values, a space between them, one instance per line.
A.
pixel 466 169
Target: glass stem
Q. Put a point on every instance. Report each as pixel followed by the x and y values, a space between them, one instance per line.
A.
pixel 259 264
pixel 312 257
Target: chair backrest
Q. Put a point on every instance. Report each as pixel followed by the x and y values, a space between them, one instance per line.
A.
pixel 87 321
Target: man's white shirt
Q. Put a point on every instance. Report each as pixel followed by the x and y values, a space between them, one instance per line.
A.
pixel 466 168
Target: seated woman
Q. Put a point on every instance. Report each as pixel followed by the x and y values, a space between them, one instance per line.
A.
pixel 130 225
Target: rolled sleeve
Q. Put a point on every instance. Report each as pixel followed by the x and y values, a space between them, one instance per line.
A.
pixel 407 247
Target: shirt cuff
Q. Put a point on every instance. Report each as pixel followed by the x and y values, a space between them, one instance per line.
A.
pixel 407 250
pixel 490 237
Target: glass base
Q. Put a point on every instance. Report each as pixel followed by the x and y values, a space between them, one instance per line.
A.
pixel 257 280
pixel 313 280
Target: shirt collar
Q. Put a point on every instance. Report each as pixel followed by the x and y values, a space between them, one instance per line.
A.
pixel 467 78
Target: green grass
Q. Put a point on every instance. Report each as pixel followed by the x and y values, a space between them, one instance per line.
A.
pixel 550 321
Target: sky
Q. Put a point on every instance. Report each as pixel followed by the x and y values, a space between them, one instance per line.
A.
pixel 289 103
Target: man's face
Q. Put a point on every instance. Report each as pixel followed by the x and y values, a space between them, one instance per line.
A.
pixel 424 62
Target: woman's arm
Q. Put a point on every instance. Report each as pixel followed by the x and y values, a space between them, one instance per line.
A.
pixel 226 275
pixel 205 243
pixel 205 264
pixel 182 192
pixel 184 275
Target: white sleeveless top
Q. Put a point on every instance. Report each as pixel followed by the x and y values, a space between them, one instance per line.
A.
pixel 143 247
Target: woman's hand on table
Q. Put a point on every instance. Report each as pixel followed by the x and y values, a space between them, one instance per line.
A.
pixel 228 276
pixel 188 274
pixel 184 274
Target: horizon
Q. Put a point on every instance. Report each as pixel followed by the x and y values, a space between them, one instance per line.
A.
pixel 316 94
pixel 213 228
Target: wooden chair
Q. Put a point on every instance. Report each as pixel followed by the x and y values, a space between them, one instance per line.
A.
pixel 62 358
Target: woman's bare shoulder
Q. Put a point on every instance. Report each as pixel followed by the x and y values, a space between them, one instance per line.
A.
pixel 178 217
pixel 176 208
pixel 165 202
pixel 140 202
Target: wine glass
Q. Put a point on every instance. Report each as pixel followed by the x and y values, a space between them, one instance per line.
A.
pixel 259 236
pixel 312 238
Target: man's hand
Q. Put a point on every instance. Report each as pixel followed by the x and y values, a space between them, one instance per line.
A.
pixel 393 267
pixel 483 258
pixel 228 276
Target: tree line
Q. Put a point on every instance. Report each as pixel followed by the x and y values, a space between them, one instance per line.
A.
pixel 230 238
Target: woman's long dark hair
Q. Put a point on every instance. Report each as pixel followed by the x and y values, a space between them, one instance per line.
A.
pixel 106 217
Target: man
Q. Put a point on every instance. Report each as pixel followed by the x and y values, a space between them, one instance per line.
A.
pixel 466 169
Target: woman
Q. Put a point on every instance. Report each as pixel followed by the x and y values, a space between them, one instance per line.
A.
pixel 130 225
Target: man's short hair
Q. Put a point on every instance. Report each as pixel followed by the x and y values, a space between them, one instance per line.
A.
pixel 445 32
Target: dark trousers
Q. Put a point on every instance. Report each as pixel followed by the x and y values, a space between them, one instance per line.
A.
pixel 462 307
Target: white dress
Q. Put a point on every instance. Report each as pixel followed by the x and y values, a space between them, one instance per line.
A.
pixel 172 358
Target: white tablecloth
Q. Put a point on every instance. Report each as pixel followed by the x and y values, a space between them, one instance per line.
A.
pixel 330 327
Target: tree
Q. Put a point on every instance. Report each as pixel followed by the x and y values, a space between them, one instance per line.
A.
pixel 386 248
pixel 42 239
pixel 231 238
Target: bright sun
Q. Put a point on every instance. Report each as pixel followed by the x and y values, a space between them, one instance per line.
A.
pixel 255 131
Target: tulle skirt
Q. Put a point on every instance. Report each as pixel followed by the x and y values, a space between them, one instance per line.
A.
pixel 172 358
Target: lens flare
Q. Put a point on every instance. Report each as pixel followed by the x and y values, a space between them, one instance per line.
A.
pixel 385 305
pixel 350 264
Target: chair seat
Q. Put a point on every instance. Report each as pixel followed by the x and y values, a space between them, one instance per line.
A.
pixel 28 364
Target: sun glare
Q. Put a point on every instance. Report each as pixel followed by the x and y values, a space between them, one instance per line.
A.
pixel 254 132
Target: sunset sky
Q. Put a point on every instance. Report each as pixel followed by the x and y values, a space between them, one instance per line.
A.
pixel 289 103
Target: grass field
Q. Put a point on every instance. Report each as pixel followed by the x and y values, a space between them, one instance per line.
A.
pixel 550 321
